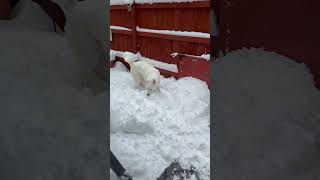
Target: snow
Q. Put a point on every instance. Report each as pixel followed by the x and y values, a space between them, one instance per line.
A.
pixel 168 32
pixel 120 28
pixel 47 124
pixel 155 63
pixel 203 56
pixel 129 2
pixel 38 19
pixel 156 130
pixel 177 33
pixel 255 93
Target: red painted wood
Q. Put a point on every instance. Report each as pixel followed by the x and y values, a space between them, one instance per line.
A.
pixel 120 18
pixel 121 42
pixel 154 48
pixel 168 16
pixel 124 32
pixel 199 4
pixel 288 27
pixel 190 48
pixel 119 7
pixel 133 28
pixel 5 9
pixel 187 68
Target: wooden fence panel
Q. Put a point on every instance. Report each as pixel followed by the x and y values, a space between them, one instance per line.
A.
pixel 120 18
pixel 168 16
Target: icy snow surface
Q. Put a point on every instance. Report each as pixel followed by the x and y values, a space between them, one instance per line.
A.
pixel 148 133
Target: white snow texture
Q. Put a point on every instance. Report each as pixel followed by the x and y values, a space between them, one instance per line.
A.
pixel 156 130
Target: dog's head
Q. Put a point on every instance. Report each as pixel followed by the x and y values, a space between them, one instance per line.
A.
pixel 153 86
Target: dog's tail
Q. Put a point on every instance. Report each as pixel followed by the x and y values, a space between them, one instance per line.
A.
pixel 130 57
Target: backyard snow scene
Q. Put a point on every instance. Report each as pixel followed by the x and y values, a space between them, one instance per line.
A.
pixel 162 128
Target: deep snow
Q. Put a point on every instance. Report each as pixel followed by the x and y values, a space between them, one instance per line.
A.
pixel 49 129
pixel 148 133
pixel 266 113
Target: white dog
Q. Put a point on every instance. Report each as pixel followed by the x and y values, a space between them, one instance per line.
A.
pixel 144 74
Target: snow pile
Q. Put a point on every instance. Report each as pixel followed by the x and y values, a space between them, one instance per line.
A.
pixel 129 2
pixel 177 33
pixel 156 130
pixel 32 15
pixel 255 93
pixel 45 121
pixel 205 56
pixel 155 63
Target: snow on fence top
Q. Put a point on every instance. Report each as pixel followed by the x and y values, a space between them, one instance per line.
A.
pixel 177 33
pixel 126 2
pixel 119 28
pixel 158 64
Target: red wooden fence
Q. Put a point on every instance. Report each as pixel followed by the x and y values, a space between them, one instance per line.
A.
pixel 193 16
pixel 288 27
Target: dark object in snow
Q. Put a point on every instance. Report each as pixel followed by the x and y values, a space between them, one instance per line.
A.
pixel 175 171
pixel 117 167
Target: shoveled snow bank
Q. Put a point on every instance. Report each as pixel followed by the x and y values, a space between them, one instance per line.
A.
pixel 48 128
pixel 177 33
pixel 155 63
pixel 268 109
pixel 124 2
pixel 149 133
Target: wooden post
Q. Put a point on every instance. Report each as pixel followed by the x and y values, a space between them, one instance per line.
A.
pixel 134 30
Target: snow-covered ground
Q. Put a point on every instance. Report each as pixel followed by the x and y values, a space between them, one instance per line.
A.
pixel 148 133
pixel 48 129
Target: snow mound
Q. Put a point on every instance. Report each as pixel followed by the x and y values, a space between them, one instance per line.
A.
pixel 255 93
pixel 161 128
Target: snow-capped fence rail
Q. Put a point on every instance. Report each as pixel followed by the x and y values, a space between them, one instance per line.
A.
pixel 160 29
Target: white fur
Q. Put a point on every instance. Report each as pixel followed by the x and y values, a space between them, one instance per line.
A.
pixel 144 74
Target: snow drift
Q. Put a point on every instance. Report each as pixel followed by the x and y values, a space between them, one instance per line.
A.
pixel 156 130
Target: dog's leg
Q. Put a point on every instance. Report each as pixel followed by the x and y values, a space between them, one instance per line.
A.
pixel 137 79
